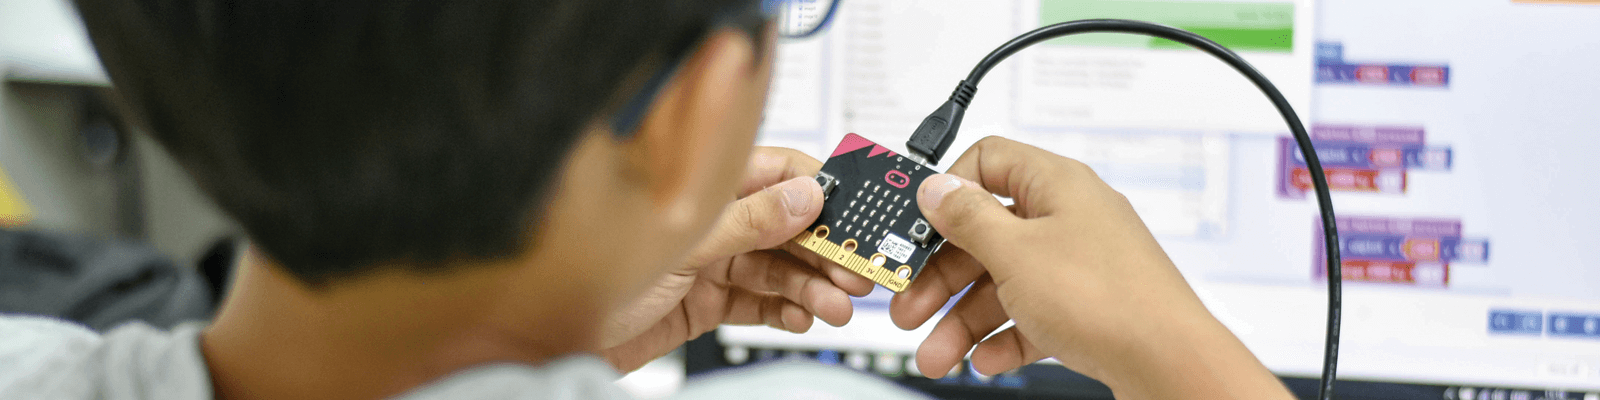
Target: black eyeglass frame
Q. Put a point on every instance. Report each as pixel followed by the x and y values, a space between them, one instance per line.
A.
pixel 752 19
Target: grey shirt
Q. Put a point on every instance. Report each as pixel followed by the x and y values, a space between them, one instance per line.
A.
pixel 46 358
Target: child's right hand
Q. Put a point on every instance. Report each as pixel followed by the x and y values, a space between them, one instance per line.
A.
pixel 1073 265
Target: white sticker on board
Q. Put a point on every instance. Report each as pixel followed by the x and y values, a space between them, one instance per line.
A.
pixel 896 248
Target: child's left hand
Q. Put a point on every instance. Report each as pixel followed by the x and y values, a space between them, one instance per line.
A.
pixel 744 272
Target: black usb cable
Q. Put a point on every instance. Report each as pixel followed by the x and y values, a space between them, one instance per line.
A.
pixel 933 137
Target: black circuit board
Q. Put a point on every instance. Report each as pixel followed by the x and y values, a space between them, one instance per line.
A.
pixel 870 222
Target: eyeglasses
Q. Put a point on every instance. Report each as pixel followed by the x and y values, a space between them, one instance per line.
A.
pixel 795 19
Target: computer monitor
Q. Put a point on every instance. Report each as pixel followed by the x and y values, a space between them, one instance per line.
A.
pixel 1458 138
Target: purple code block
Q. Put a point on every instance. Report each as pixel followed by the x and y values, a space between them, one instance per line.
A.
pixel 1368 134
pixel 1382 230
pixel 1366 156
pixel 1287 153
pixel 1400 226
pixel 1412 248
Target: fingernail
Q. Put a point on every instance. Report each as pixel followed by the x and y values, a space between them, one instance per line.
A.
pixel 936 187
pixel 797 195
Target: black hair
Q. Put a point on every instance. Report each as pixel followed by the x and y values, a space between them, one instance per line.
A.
pixel 352 134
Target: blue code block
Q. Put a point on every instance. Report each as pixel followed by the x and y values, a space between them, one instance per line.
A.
pixel 1330 53
pixel 1572 325
pixel 1512 322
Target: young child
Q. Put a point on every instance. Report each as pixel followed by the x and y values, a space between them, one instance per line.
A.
pixel 443 202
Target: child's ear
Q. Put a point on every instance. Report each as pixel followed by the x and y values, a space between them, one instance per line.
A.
pixel 693 144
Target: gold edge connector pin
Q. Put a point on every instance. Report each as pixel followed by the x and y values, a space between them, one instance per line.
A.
pixel 816 241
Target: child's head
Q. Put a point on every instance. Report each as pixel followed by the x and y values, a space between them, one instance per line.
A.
pixel 355 137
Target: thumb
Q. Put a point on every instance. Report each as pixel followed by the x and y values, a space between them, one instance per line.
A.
pixel 966 214
pixel 762 220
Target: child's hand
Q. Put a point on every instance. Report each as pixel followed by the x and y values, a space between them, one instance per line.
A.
pixel 735 277
pixel 1078 272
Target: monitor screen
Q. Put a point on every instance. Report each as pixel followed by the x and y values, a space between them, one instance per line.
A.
pixel 1457 138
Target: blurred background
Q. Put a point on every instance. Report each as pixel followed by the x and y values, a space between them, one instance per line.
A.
pixel 97 223
pixel 1458 137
